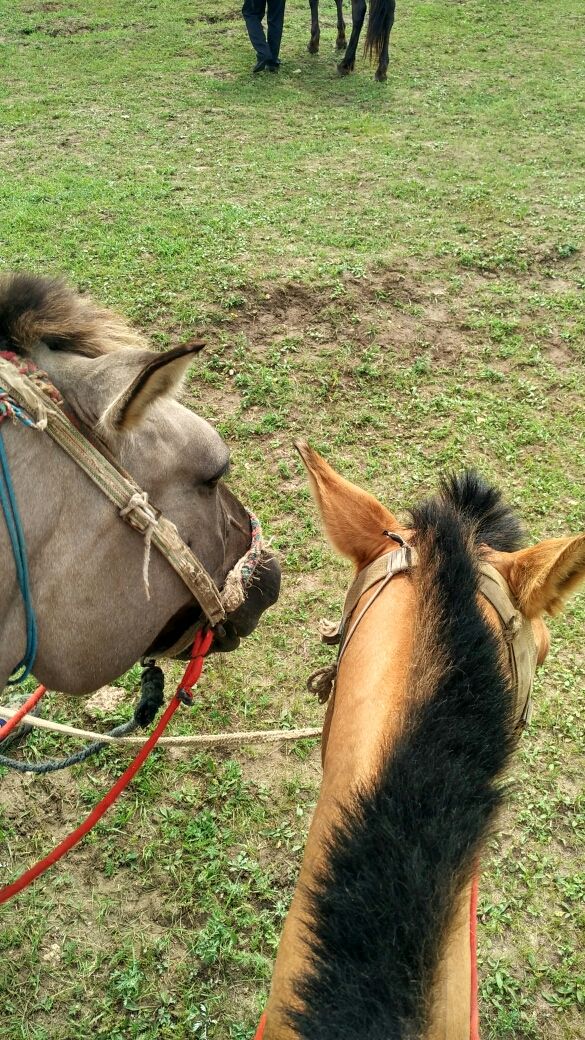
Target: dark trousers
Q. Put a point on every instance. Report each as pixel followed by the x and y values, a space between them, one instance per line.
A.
pixel 253 11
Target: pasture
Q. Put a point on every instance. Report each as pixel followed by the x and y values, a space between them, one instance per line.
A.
pixel 393 271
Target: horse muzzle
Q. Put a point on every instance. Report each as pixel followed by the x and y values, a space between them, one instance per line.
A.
pixel 261 593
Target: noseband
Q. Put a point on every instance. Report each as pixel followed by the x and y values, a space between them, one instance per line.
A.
pixel 516 629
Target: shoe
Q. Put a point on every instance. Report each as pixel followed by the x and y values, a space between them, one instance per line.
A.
pixel 272 66
pixel 259 67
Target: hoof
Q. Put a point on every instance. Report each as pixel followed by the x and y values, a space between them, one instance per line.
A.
pixel 313 46
pixel 341 43
pixel 344 70
pixel 381 76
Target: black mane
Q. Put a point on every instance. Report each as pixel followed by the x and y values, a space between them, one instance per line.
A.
pixel 408 844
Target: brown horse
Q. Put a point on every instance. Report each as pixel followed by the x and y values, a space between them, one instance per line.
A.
pixel 380 22
pixel 86 565
pixel 429 699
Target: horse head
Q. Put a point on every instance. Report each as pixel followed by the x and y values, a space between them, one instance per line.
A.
pixel 85 565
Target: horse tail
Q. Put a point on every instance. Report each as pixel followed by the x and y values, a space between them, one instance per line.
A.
pixel 380 22
pixel 407 845
pixel 36 309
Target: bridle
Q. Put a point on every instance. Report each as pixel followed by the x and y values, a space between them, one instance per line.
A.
pixel 36 398
pixel 516 629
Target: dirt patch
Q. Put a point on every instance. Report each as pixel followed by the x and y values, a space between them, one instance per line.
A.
pixel 405 313
pixel 105 703
pixel 68 27
pixel 215 19
pixel 275 764
pixel 559 354
pixel 217 73
pixel 394 312
pixel 75 27
pixel 47 7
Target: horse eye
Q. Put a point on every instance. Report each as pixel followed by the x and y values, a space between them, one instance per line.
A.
pixel 218 476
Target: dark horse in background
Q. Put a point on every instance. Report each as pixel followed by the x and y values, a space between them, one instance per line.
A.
pixel 380 23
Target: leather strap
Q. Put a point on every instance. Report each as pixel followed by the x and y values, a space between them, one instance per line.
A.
pixel 384 567
pixel 518 637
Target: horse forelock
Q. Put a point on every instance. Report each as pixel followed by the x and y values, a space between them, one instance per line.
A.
pixel 480 504
pixel 35 309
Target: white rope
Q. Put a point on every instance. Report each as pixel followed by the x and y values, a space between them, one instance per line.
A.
pixel 143 519
pixel 258 736
pixel 32 399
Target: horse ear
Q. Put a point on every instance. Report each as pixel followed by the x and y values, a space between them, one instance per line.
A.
pixel 161 375
pixel 354 521
pixel 543 576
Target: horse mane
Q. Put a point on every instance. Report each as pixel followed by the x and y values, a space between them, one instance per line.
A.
pixel 407 845
pixel 36 309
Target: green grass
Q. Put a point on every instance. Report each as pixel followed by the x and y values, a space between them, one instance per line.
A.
pixel 395 272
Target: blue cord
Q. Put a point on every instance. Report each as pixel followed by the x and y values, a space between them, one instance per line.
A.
pixel 16 533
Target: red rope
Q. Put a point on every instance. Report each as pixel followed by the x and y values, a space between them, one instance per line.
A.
pixel 474 1012
pixel 201 645
pixel 24 709
pixel 260 1031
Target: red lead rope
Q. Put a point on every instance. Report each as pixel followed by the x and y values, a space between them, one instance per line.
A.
pixel 201 645
pixel 260 1031
pixel 474 1010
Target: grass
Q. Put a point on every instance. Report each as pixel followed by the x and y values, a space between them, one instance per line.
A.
pixel 397 273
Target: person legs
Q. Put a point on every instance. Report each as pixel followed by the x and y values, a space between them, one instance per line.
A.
pixel 275 23
pixel 253 12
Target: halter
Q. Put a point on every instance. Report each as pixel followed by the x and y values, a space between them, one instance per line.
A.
pixel 27 388
pixel 516 629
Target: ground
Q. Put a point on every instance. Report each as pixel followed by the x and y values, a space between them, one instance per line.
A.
pixel 394 271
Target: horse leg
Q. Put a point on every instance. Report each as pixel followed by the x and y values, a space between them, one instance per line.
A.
pixel 358 13
pixel 381 71
pixel 341 42
pixel 384 57
pixel 313 45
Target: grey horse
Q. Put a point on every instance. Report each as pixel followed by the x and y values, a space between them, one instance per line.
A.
pixel 86 566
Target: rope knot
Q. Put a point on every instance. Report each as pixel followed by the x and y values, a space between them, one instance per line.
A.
pixel 143 517
pixel 322 682
pixel 330 632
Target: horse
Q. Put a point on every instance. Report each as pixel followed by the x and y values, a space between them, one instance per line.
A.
pixel 380 22
pixel 97 610
pixel 441 635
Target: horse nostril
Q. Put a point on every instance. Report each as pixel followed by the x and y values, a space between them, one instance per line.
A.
pixel 239 527
pixel 228 640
